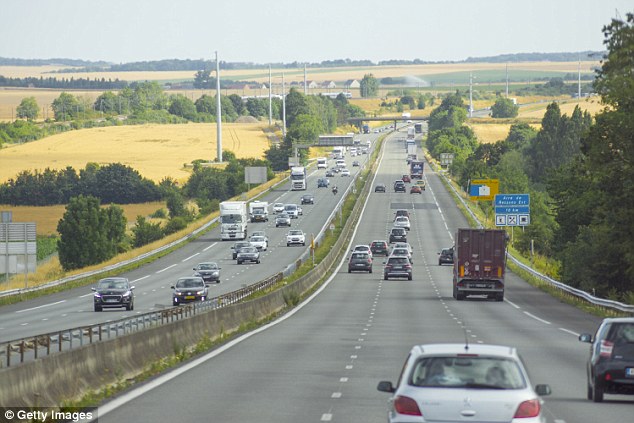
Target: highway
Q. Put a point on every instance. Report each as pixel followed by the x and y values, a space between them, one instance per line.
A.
pixel 322 362
pixel 74 308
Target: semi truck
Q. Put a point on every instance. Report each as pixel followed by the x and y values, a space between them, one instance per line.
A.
pixel 418 128
pixel 298 178
pixel 416 169
pixel 259 211
pixel 322 163
pixel 479 263
pixel 366 129
pixel 233 220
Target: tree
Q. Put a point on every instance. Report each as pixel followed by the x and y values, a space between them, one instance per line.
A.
pixel 65 107
pixel 108 103
pixel 182 106
pixel 28 109
pixel 369 86
pixel 504 108
pixel 88 233
pixel 145 232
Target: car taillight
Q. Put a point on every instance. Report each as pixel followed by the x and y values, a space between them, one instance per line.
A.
pixel 408 266
pixel 605 349
pixel 407 406
pixel 530 408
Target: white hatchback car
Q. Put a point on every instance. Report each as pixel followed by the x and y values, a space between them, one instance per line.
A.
pixel 278 208
pixel 259 242
pixel 458 382
pixel 402 222
pixel 361 248
pixel 345 172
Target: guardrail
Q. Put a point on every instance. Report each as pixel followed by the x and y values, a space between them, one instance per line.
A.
pixel 120 264
pixel 24 349
pixel 609 304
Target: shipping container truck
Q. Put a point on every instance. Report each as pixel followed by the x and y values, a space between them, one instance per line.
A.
pixel 416 169
pixel 233 220
pixel 479 263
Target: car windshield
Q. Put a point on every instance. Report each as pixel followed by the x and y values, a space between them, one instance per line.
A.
pixel 398 231
pixel 361 248
pixel 257 239
pixel 283 216
pixel 242 244
pixel 400 252
pixel 467 372
pixel 294 232
pixel 359 256
pixel 112 284
pixel 249 250
pixel 290 207
pixel 190 283
pixel 208 266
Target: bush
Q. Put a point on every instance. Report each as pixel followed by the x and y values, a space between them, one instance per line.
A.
pixel 146 232
pixel 175 224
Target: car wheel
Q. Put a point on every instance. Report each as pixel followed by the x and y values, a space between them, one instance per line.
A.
pixel 174 303
pixel 129 307
pixel 439 263
pixel 409 277
pixel 597 393
pixel 349 270
pixel 303 244
pixel 385 277
pixel 98 308
pixel 589 391
pixel 288 245
pixel 239 262
pixel 370 271
pixel 499 297
pixel 257 262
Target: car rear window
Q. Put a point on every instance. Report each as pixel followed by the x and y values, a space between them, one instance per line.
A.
pixel 460 372
pixel 398 260
pixel 360 256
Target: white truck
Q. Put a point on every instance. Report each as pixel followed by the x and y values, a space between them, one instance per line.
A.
pixel 322 163
pixel 259 211
pixel 298 178
pixel 233 220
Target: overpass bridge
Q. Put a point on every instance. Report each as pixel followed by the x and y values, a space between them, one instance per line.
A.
pixel 358 121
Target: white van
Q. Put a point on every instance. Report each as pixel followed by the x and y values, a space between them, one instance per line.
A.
pixel 322 163
pixel 341 163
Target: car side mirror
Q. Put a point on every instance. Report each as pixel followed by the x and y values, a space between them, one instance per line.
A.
pixel 132 288
pixel 585 337
pixel 93 289
pixel 194 268
pixel 385 386
pixel 173 287
pixel 543 390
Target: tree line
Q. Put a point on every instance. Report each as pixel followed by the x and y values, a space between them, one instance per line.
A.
pixel 63 83
pixel 576 169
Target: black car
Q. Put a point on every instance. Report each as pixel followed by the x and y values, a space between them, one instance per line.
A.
pixel 113 293
pixel 360 261
pixel 282 219
pixel 188 289
pixel 238 246
pixel 308 199
pixel 399 186
pixel 323 182
pixel 209 271
pixel 445 256
pixel 379 247
pixel 398 235
pixel 330 173
pixel 250 254
pixel 397 266
pixel 610 368
pixel 379 188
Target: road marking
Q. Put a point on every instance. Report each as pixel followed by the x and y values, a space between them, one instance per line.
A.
pixel 168 267
pixel 326 417
pixel 86 295
pixel 569 331
pixel 42 306
pixel 336 395
pixel 343 379
pixel 512 303
pixel 23 324
pixel 536 318
pixel 141 278
pixel 211 246
pixel 190 257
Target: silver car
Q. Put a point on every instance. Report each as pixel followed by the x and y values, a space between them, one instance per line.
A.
pixel 458 382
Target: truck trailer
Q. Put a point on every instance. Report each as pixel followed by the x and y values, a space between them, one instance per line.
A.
pixel 416 169
pixel 233 220
pixel 479 263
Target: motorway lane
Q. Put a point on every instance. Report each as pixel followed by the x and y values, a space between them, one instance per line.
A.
pixel 74 308
pixel 323 362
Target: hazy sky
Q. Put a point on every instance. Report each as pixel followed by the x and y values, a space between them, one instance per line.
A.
pixel 264 31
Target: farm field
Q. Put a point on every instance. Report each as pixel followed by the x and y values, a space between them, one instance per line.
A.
pixel 155 151
pixel 47 218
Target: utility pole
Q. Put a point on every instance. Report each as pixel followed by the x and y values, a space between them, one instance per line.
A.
pixel 507 80
pixel 283 107
pixel 305 87
pixel 218 113
pixel 270 99
pixel 470 95
pixel 579 81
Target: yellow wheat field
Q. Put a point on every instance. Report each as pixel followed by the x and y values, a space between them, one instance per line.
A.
pixel 156 151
